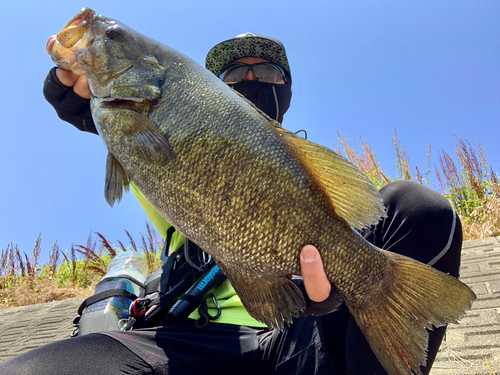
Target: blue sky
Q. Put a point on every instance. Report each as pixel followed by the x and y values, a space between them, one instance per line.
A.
pixel 429 69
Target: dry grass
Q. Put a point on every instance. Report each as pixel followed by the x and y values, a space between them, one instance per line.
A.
pixel 484 228
pixel 70 274
pixel 42 291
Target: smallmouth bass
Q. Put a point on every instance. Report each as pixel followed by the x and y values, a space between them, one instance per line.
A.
pixel 249 192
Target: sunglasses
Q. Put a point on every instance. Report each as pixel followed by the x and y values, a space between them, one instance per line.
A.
pixel 263 72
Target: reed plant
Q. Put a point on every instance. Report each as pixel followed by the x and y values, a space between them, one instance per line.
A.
pixel 472 187
pixel 67 274
pixel 365 160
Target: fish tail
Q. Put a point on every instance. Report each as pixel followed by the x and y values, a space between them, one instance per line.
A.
pixel 396 324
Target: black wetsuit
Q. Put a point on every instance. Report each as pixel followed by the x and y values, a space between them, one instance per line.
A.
pixel 420 223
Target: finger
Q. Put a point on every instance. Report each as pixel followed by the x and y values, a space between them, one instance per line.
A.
pixel 50 44
pixel 66 77
pixel 80 84
pixel 317 286
pixel 81 87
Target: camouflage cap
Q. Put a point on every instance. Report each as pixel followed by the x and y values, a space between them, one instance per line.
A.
pixel 247 45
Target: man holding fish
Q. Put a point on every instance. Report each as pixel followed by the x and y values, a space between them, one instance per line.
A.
pixel 419 223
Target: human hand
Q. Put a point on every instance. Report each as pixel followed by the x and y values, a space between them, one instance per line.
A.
pixel 317 286
pixel 79 83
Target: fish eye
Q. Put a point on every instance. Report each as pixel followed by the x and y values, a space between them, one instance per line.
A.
pixel 114 32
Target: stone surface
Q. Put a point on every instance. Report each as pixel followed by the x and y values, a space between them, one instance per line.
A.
pixel 473 346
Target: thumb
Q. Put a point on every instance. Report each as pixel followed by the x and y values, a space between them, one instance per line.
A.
pixel 317 286
pixel 50 43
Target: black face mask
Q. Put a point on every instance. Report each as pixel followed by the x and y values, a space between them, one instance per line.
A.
pixel 271 98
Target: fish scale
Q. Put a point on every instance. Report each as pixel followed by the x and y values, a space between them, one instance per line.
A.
pixel 249 192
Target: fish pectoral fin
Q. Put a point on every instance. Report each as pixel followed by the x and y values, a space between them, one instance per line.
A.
pixel 152 142
pixel 116 180
pixel 273 301
pixel 352 194
pixel 396 320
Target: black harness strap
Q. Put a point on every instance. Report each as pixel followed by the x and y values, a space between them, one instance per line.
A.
pixel 168 239
pixel 103 295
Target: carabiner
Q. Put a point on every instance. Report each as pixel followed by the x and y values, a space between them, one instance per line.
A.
pixel 76 324
pixel 219 310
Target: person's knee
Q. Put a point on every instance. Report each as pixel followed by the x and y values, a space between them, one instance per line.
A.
pixel 32 362
pixel 422 224
pixel 413 200
pixel 90 354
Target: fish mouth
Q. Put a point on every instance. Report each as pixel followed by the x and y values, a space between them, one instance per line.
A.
pixel 75 36
pixel 110 102
pixel 77 29
pixel 78 35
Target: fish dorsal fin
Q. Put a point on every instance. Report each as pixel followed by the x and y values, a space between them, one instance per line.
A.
pixel 352 194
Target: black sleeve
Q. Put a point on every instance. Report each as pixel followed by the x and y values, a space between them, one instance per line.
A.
pixel 69 106
pixel 331 304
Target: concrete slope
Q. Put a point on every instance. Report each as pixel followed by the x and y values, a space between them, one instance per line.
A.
pixel 473 346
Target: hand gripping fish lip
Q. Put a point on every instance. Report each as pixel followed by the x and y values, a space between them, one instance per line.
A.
pixel 77 41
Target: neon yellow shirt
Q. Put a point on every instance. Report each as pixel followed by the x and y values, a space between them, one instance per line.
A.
pixel 233 311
